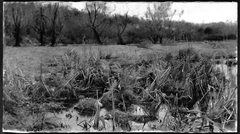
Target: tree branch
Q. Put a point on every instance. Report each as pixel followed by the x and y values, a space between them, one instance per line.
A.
pixel 89 15
pixel 100 23
pixel 95 13
pixel 100 33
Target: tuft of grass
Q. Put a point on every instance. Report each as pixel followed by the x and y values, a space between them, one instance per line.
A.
pixel 143 45
pixel 182 81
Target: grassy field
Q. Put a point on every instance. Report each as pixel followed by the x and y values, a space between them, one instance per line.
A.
pixel 29 58
pixel 40 80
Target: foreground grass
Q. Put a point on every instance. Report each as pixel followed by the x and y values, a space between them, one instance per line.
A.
pixel 186 82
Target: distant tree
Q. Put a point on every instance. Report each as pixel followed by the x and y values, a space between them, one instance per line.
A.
pixel 18 20
pixel 74 25
pixel 97 19
pixel 208 30
pixel 121 23
pixel 136 33
pixel 199 33
pixel 229 30
pixel 109 34
pixel 55 23
pixel 7 22
pixel 40 25
pixel 171 29
pixel 156 17
pixel 188 31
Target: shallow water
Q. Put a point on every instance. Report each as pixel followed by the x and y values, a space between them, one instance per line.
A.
pixel 76 120
pixel 229 72
pixel 70 122
pixel 231 75
pixel 73 122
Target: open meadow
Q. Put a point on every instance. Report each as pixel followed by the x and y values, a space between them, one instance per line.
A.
pixel 29 58
pixel 121 87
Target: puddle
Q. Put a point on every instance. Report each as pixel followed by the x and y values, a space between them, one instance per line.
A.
pixel 74 121
pixel 229 72
pixel 138 110
pixel 71 122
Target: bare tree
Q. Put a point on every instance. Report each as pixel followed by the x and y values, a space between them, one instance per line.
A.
pixel 40 24
pixel 97 18
pixel 121 24
pixel 55 24
pixel 16 20
pixel 156 17
pixel 170 26
pixel 17 16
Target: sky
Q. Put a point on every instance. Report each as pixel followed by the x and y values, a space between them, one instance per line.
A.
pixel 196 12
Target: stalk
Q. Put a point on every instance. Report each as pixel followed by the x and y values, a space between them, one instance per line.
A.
pixel 96 119
pixel 113 107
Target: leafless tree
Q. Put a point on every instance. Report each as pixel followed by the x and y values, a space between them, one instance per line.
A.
pixel 156 17
pixel 16 20
pixel 121 24
pixel 55 24
pixel 97 18
pixel 17 16
pixel 40 24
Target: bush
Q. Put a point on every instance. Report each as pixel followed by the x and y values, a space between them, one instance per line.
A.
pixel 109 41
pixel 168 42
pixel 232 37
pixel 28 41
pixel 214 37
pixel 65 40
pixel 143 45
pixel 9 41
pixel 184 53
pixel 134 36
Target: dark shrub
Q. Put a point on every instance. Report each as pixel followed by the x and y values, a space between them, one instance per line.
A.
pixel 232 37
pixel 134 36
pixel 8 41
pixel 65 40
pixel 214 37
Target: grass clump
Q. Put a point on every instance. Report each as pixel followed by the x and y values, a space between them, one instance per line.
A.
pixel 186 83
pixel 194 81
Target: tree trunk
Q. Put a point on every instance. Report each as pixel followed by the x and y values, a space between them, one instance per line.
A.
pixel 97 37
pixel 160 39
pixel 53 42
pixel 120 40
pixel 17 36
pixel 155 40
pixel 84 41
pixel 53 37
pixel 17 42
pixel 42 40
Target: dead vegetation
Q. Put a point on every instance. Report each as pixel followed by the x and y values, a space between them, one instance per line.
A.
pixel 187 83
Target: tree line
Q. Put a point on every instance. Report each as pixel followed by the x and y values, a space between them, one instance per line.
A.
pixel 57 23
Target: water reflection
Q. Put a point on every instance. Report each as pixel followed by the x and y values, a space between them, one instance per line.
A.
pixel 230 72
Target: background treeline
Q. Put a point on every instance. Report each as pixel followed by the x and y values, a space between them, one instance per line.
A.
pixel 53 24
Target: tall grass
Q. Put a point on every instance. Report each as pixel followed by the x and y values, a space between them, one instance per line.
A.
pixel 20 111
pixel 187 83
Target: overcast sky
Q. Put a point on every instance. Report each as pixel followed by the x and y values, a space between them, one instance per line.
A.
pixel 196 12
